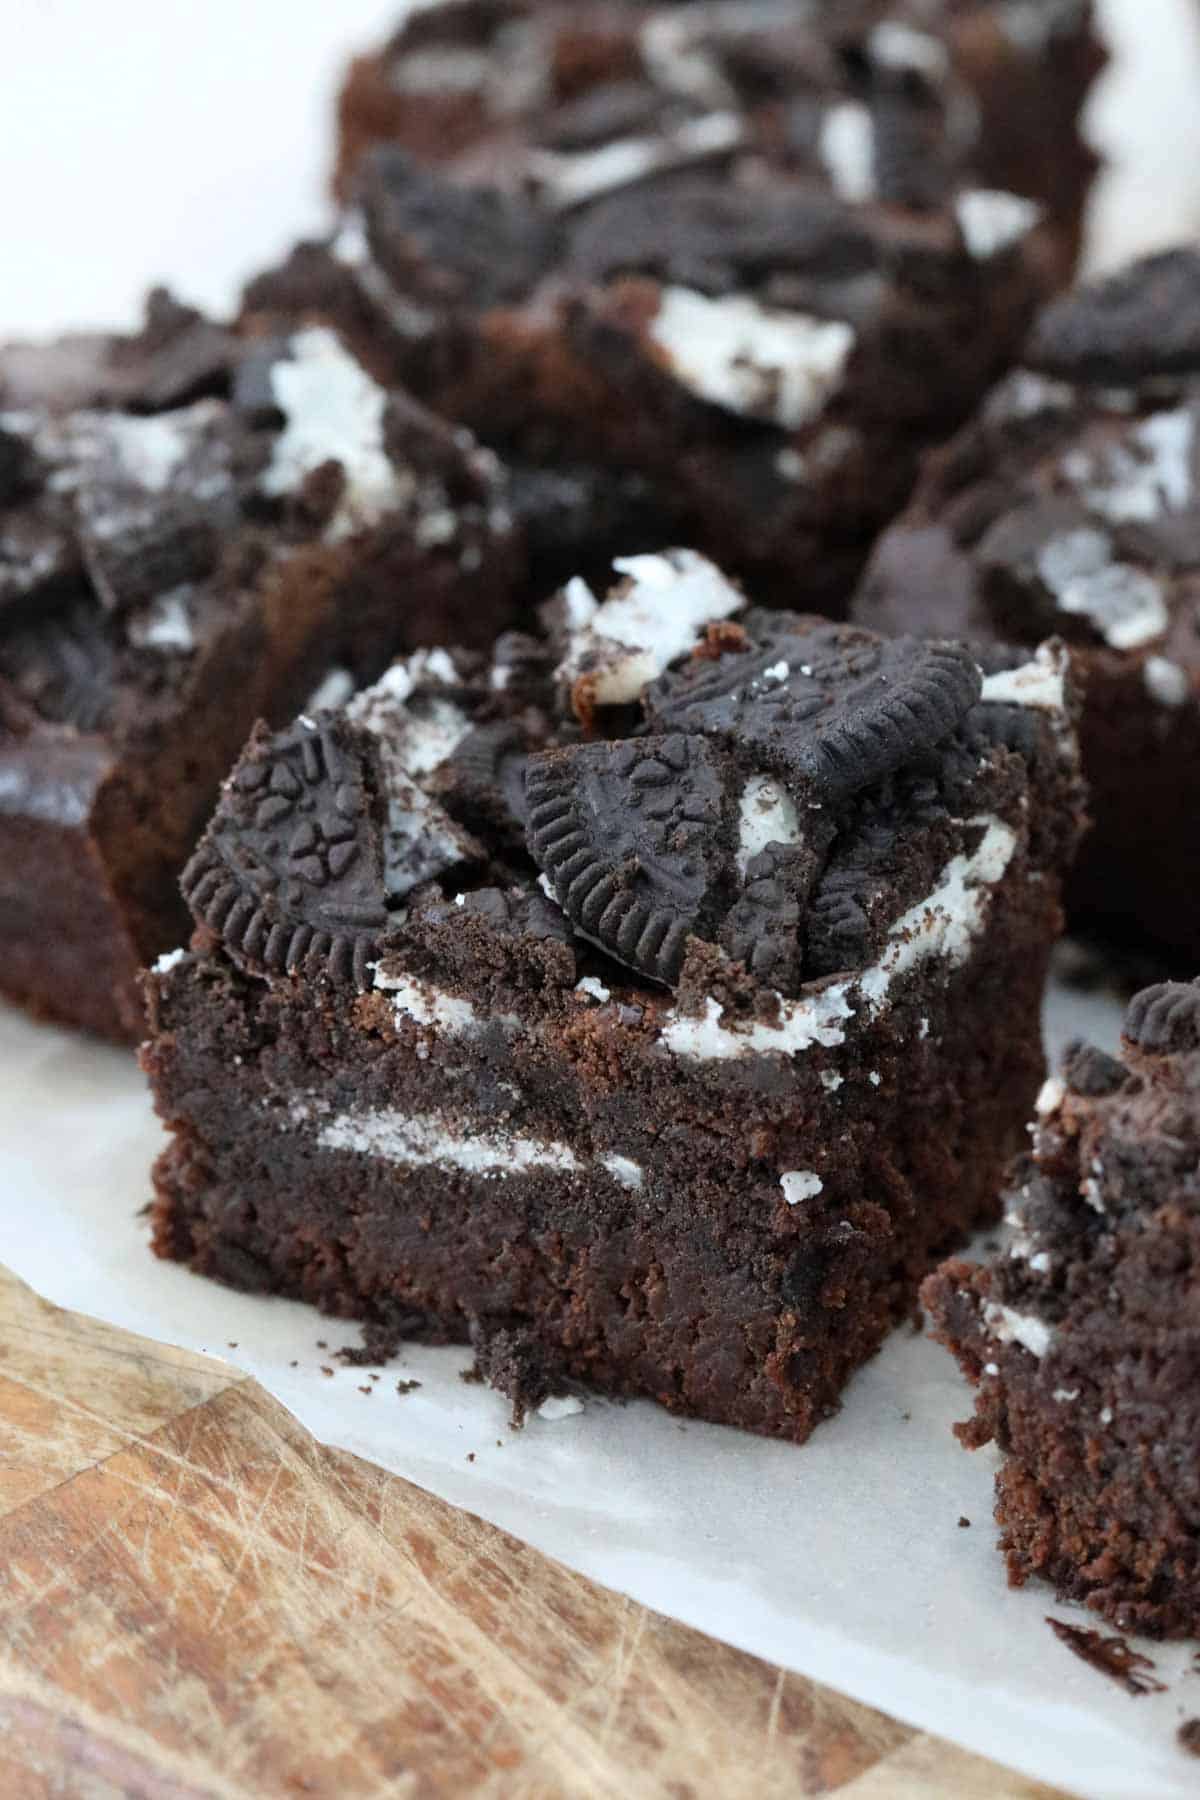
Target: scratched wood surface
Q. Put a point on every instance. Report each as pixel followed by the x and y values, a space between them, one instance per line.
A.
pixel 199 1601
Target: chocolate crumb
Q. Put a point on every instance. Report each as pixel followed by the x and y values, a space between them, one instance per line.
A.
pixel 366 1388
pixel 321 1344
pixel 470 1377
pixel 964 1524
pixel 232 1344
pixel 407 1387
pixel 1189 1736
pixel 293 1365
pixel 325 1370
pixel 470 1456
pixel 1111 1656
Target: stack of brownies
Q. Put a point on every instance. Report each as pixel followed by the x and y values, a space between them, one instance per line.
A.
pixel 595 811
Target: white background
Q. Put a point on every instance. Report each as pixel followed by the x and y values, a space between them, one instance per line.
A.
pixel 187 141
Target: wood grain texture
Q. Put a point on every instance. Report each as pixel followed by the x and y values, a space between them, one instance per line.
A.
pixel 199 1602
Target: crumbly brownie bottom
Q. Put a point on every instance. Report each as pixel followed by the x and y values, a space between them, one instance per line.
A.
pixel 1079 1500
pixel 671 1289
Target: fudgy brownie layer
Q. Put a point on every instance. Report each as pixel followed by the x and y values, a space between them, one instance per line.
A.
pixel 1072 503
pixel 1082 1340
pixel 685 1276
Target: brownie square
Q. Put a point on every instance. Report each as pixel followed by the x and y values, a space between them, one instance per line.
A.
pixel 1072 504
pixel 744 256
pixel 195 531
pixel 648 1005
pixel 1001 86
pixel 1082 1338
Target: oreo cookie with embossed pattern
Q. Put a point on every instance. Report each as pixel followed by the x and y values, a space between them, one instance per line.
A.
pixel 829 708
pixel 1165 1020
pixel 636 839
pixel 290 874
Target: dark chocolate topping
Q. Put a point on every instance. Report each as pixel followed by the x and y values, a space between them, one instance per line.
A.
pixel 1165 1020
pixel 290 874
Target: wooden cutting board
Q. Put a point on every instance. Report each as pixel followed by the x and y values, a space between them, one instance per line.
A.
pixel 198 1601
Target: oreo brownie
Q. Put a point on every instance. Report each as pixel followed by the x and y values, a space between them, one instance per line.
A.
pixel 649 1006
pixel 1082 1339
pixel 194 530
pixel 1072 504
pixel 890 89
pixel 745 260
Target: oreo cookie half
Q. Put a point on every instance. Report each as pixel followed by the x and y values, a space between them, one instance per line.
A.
pixel 290 874
pixel 635 838
pixel 829 708
pixel 1165 1020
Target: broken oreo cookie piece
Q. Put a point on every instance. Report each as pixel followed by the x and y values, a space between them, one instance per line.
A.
pixel 828 708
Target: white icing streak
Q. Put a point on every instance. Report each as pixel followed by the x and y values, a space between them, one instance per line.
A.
pixel 1165 681
pixel 748 359
pixel 943 925
pixel 421 1141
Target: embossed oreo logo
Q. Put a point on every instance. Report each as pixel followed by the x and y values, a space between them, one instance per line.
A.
pixel 1165 1020
pixel 290 874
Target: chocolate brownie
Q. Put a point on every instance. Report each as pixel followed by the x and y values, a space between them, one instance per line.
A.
pixel 194 531
pixel 1082 1338
pixel 746 259
pixel 997 86
pixel 1072 504
pixel 649 1006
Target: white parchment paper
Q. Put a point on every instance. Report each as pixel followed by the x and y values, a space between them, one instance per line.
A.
pixel 843 1560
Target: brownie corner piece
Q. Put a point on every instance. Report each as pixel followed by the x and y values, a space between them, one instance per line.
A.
pixel 196 529
pixel 650 1004
pixel 1080 1336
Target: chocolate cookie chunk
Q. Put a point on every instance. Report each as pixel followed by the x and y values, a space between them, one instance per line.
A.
pixel 635 840
pixel 828 708
pixel 1142 322
pixel 290 874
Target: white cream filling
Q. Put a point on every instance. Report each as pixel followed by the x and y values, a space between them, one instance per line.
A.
pixel 170 959
pixel 800 1184
pixel 332 691
pixel 846 146
pixel 757 362
pixel 1040 684
pixel 629 640
pixel 942 925
pixel 624 1171
pixel 767 815
pixel 425 1141
pixel 992 221
pixel 428 1005
pixel 1024 395
pixel 1009 1327
pixel 896 46
pixel 166 624
pixel 333 411
pixel 1050 1098
pixel 1165 681
pixel 1124 604
pixel 572 179
pixel 593 988
pixel 1143 478
pixel 150 450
